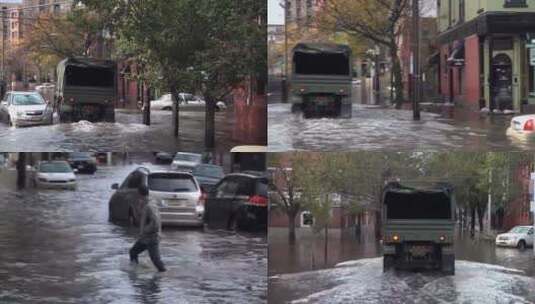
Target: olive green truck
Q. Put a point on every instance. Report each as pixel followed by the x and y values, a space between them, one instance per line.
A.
pixel 86 89
pixel 418 228
pixel 321 80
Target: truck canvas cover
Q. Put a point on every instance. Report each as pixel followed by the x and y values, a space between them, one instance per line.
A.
pixel 97 73
pixel 322 59
pixel 403 202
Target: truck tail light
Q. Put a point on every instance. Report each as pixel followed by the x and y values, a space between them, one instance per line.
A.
pixel 529 126
pixel 442 238
pixel 395 238
pixel 71 100
pixel 302 90
pixel 258 200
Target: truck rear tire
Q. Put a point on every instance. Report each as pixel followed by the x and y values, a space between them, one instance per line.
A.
pixel 448 264
pixel 296 107
pixel 389 262
pixel 345 110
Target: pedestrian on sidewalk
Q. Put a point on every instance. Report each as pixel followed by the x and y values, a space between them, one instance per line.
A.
pixel 149 231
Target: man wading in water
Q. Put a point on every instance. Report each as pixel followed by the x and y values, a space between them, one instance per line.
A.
pixel 149 235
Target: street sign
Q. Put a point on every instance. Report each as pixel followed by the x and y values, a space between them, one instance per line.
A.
pixel 532 56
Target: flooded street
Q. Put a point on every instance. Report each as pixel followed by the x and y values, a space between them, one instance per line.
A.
pixel 363 281
pixel 58 247
pixel 354 274
pixel 127 134
pixel 375 127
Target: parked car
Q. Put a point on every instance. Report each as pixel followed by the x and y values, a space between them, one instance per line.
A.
pixel 165 102
pixel 177 195
pixel 522 127
pixel 208 175
pixel 19 109
pixel 55 174
pixel 83 162
pixel 184 161
pixel 163 157
pixel 520 237
pixel 238 202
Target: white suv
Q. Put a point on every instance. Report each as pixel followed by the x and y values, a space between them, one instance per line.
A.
pixel 519 236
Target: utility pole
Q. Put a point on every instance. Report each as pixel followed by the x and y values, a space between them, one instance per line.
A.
pixel 416 59
pixel 285 80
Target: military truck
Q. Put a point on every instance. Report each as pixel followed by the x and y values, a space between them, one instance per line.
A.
pixel 321 79
pixel 418 228
pixel 86 89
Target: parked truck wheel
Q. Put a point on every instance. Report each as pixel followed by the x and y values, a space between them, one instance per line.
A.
pixel 448 264
pixel 389 262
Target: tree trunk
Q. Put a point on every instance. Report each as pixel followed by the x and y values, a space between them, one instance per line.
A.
pixel 209 129
pixel 176 110
pixel 396 71
pixel 146 108
pixel 21 171
pixel 326 243
pixel 291 228
pixel 473 221
pixel 480 215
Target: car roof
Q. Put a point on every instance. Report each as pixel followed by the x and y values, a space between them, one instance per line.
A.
pixel 250 174
pixel 170 172
pixel 53 162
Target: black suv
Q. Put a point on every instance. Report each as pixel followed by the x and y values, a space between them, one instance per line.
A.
pixel 82 162
pixel 238 201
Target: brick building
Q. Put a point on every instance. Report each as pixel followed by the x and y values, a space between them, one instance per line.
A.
pixel 484 54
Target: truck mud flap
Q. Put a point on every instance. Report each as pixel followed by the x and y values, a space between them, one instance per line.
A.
pixel 346 110
pixel 389 262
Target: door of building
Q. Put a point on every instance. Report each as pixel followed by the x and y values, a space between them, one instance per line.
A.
pixel 502 82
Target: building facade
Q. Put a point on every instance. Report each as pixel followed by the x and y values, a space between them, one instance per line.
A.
pixel 485 55
pixel 302 12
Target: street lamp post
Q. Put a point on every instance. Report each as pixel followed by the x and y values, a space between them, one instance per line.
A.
pixel 416 59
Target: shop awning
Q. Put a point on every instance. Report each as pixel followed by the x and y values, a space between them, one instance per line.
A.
pixel 457 56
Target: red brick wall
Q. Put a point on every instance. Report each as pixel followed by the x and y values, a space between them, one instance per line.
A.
pixel 471 69
pixel 251 118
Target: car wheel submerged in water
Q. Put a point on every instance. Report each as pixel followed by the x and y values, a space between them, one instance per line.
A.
pixel 521 245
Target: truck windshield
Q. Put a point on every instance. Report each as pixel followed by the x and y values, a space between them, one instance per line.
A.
pixel 321 64
pixel 417 205
pixel 89 76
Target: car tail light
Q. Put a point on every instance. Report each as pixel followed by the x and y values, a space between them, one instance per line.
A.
pixel 202 199
pixel 528 126
pixel 258 200
pixel 302 90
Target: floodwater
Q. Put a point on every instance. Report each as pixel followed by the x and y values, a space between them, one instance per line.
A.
pixel 58 247
pixel 363 281
pixel 127 134
pixel 352 273
pixel 374 127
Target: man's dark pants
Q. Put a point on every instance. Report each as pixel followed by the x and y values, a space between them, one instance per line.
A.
pixel 153 247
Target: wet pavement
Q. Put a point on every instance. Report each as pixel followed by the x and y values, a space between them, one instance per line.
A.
pixel 382 128
pixel 363 281
pixel 353 273
pixel 127 134
pixel 58 247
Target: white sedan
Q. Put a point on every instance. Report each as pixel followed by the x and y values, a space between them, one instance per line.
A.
pixel 20 109
pixel 55 175
pixel 165 102
pixel 520 237
pixel 522 127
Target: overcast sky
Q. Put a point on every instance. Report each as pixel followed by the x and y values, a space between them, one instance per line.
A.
pixel 275 12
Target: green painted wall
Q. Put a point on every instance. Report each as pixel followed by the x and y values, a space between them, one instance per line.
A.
pixel 473 8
